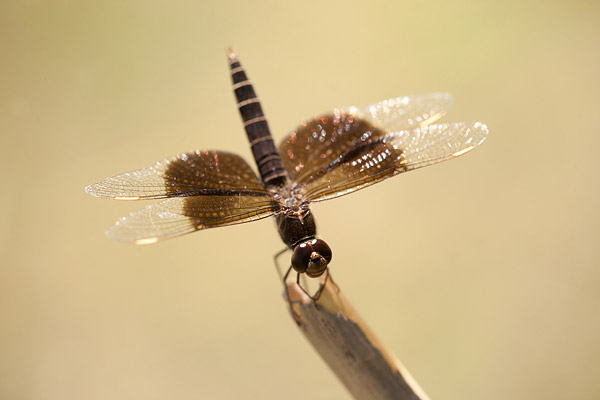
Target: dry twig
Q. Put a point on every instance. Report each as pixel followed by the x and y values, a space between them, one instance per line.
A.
pixel 347 345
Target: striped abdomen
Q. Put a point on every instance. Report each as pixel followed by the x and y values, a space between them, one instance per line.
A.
pixel 264 151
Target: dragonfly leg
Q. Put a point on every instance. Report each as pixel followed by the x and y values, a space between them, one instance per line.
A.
pixel 286 275
pixel 303 286
pixel 328 277
pixel 277 266
pixel 295 316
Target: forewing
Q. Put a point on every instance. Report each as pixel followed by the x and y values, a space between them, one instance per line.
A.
pixel 180 215
pixel 317 142
pixel 404 112
pixel 372 159
pixel 202 172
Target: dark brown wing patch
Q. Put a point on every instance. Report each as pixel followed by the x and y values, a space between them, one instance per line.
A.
pixel 316 146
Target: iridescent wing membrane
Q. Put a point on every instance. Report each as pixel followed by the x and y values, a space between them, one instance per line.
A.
pixel 327 157
pixel 203 189
pixel 352 148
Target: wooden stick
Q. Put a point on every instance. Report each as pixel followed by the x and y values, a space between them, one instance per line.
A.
pixel 349 347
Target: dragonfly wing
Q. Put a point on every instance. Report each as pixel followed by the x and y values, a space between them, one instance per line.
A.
pixel 203 189
pixel 405 112
pixel 314 145
pixel 180 215
pixel 352 153
pixel 190 174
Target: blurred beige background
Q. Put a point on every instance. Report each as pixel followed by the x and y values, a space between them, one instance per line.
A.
pixel 481 274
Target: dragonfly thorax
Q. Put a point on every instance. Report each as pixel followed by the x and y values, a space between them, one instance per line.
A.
pixel 295 227
pixel 290 199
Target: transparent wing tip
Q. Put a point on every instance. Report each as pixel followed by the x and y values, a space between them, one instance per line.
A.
pixel 476 133
pixel 479 132
pixel 119 233
pixel 105 191
pixel 95 190
pixel 113 233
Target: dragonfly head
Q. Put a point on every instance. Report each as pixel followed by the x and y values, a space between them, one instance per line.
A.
pixel 312 257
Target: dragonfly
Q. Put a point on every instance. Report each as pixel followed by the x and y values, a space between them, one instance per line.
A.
pixel 325 157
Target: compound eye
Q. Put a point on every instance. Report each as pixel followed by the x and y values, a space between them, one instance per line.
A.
pixel 301 257
pixel 323 249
